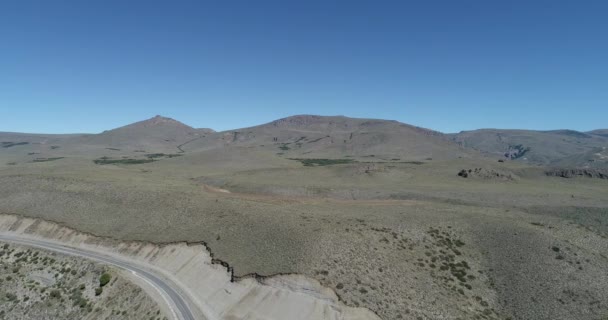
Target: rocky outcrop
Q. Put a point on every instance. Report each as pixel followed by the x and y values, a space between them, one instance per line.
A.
pixel 486 174
pixel 573 173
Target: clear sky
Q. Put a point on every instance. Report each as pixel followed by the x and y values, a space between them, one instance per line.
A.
pixel 87 66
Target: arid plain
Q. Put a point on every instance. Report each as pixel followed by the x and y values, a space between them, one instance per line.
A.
pixel 407 222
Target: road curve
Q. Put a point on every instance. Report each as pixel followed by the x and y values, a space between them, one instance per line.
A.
pixel 180 309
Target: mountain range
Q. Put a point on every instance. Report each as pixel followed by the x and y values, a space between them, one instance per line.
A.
pixel 310 136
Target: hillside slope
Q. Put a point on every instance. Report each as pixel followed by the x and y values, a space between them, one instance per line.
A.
pixel 158 133
pixel 538 147
pixel 154 135
pixel 309 136
pixel 599 132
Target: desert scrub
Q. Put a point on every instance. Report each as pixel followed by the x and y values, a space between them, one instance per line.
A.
pixel 47 159
pixel 106 160
pixel 12 144
pixel 322 162
pixel 162 155
pixel 66 288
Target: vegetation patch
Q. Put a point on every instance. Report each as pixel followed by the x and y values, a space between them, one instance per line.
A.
pixel 162 155
pixel 47 159
pixel 106 160
pixel 405 162
pixel 316 140
pixel 9 144
pixel 322 162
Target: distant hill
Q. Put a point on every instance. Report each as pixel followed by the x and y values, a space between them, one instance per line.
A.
pixel 153 134
pixel 599 132
pixel 157 134
pixel 538 147
pixel 309 136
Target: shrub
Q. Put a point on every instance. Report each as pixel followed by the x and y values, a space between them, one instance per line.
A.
pixel 55 294
pixel 104 279
pixel 81 302
pixel 98 291
pixel 463 173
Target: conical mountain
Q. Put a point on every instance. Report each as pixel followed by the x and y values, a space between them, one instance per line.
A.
pixel 153 135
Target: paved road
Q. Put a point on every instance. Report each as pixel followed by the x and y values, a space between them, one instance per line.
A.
pixel 180 309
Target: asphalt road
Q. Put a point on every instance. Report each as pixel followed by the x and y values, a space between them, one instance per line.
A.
pixel 180 309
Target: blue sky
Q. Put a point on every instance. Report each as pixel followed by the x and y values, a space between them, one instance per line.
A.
pixel 87 66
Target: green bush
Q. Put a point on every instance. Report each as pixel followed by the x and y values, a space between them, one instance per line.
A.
pixel 98 291
pixel 104 279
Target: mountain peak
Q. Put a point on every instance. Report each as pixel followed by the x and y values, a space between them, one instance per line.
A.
pixel 158 121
